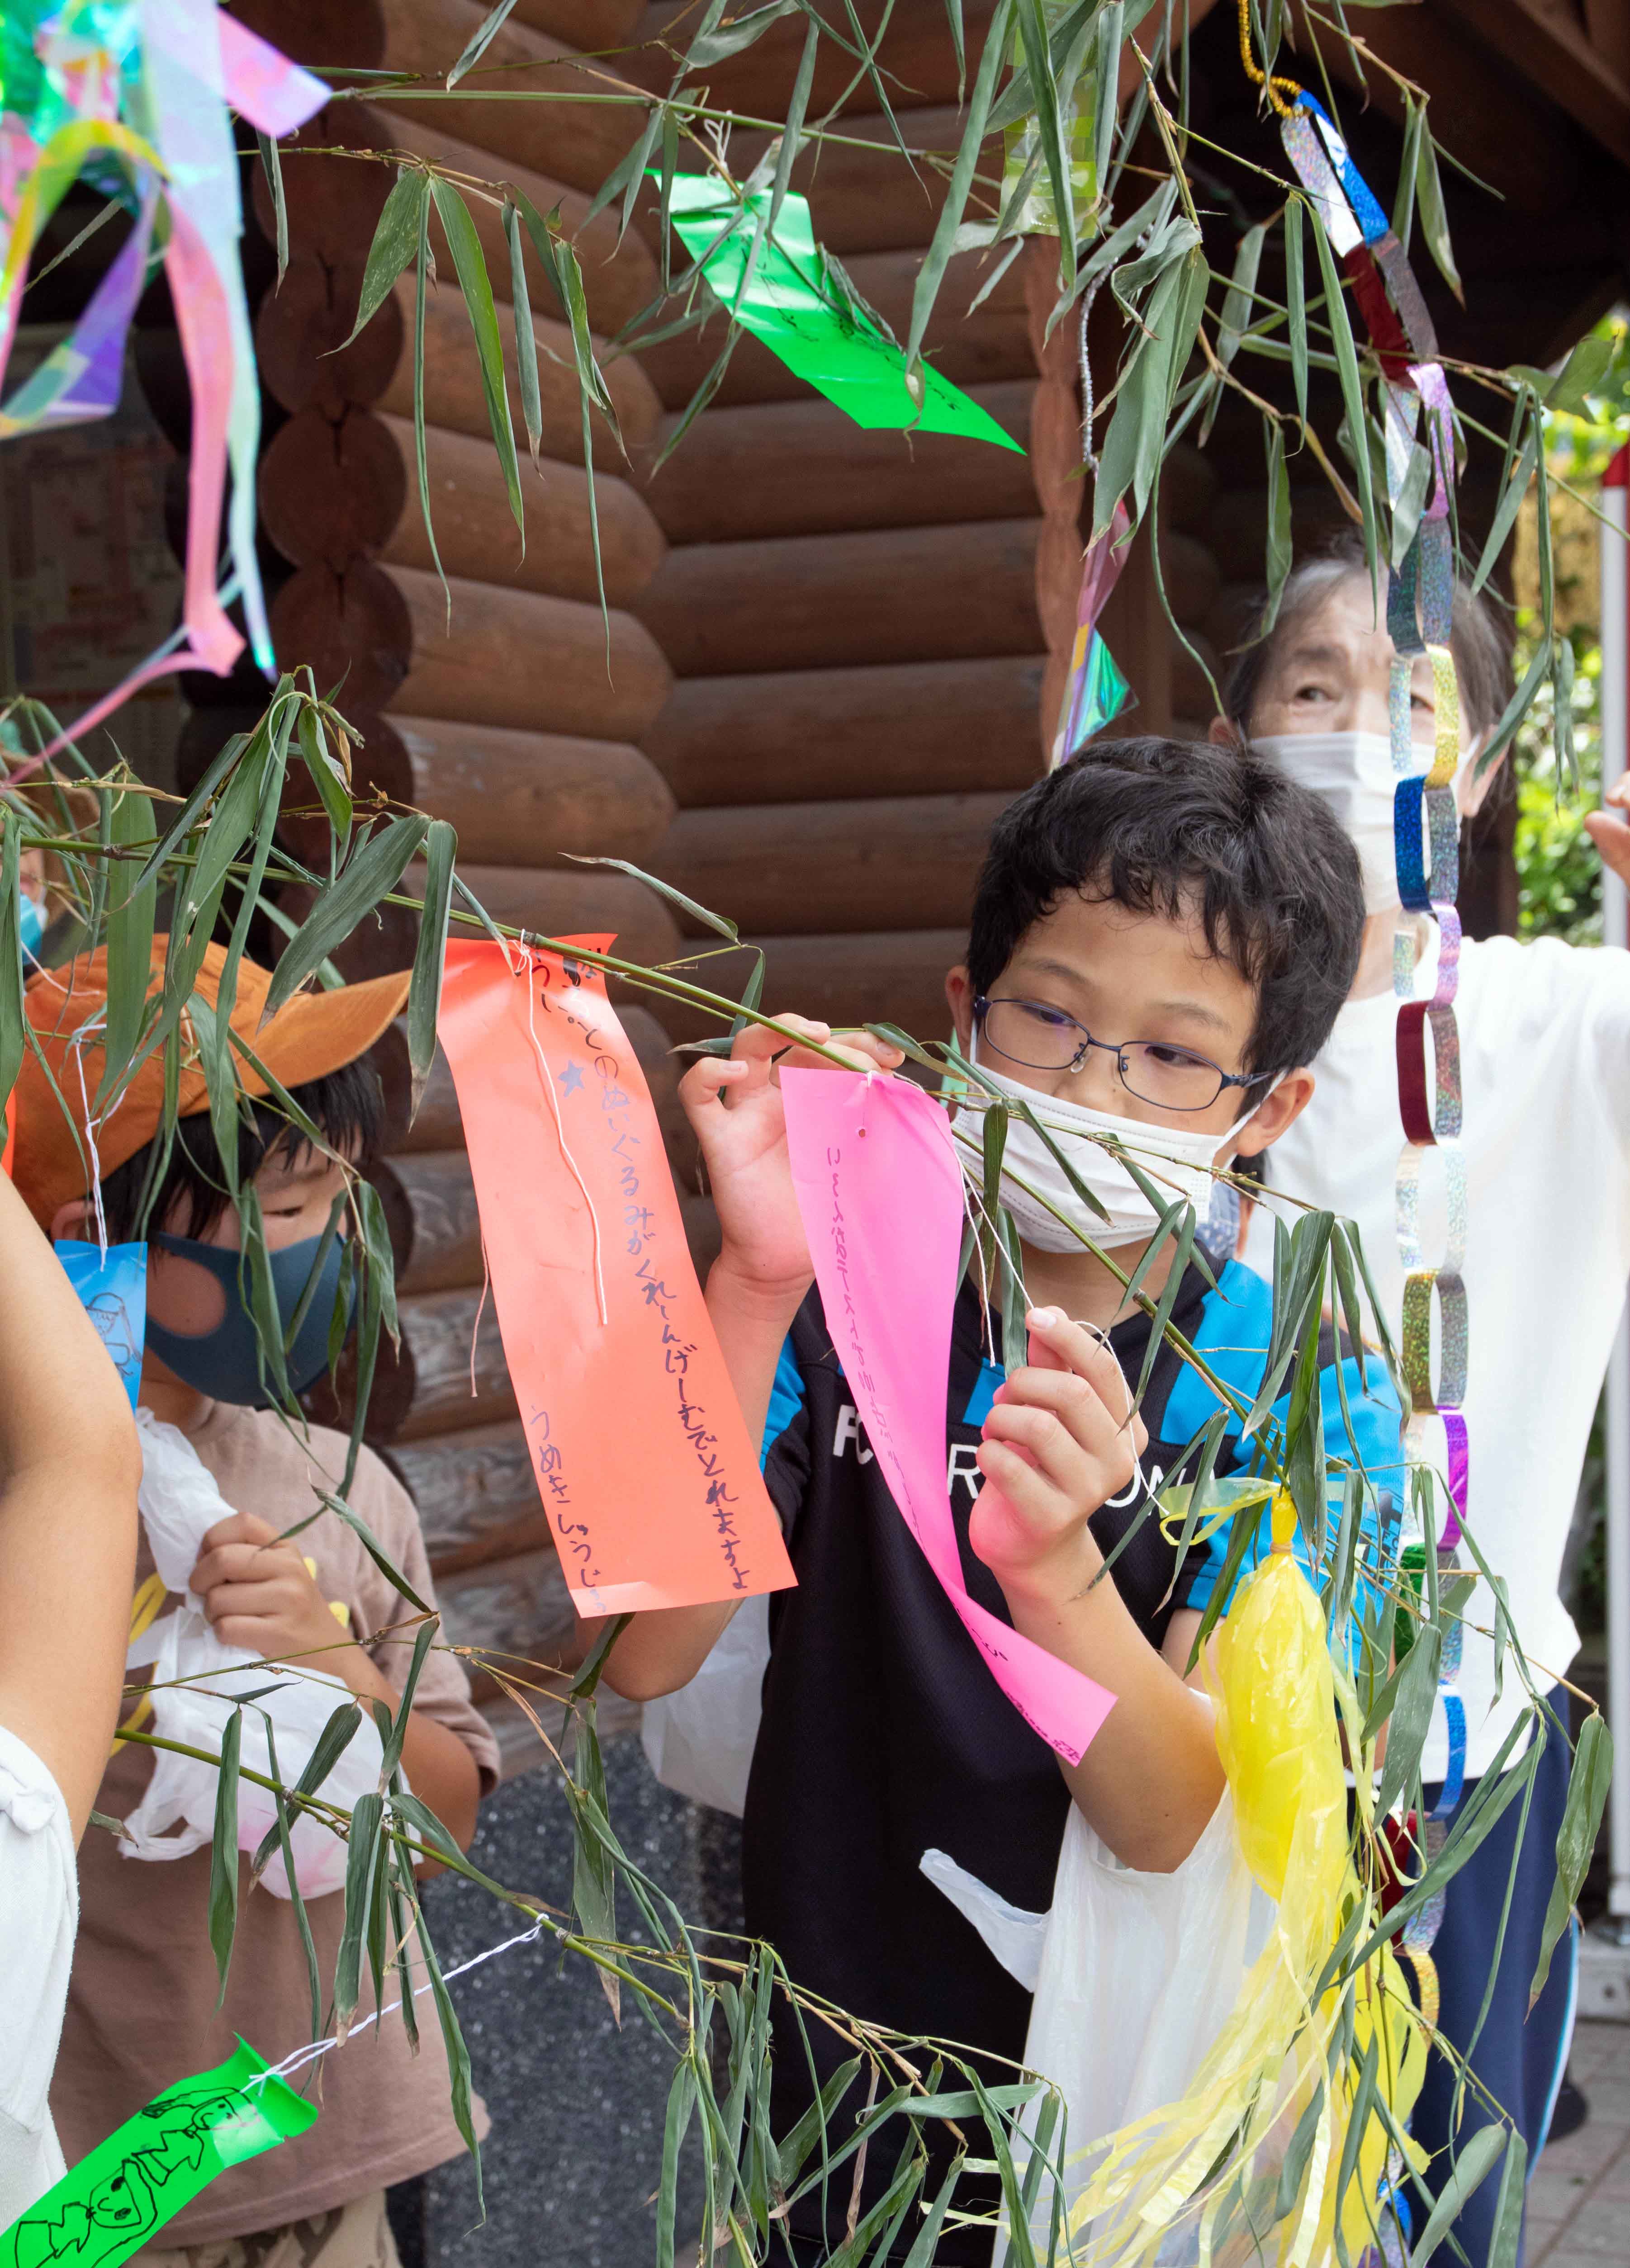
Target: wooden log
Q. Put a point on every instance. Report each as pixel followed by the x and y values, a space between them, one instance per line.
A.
pixel 885 595
pixel 1189 484
pixel 476 1495
pixel 475 532
pixel 971 350
pixel 887 731
pixel 803 468
pixel 332 204
pixel 577 142
pixel 529 799
pixel 517 1609
pixel 327 35
pixel 301 331
pixel 576 902
pixel 439 1127
pixel 596 26
pixel 535 664
pixel 872 200
pixel 427 1391
pixel 892 862
pixel 330 489
pixel 354 629
pixel 440 1246
pixel 916 52
pixel 453 399
pixel 616 284
pixel 895 977
pixel 1192 577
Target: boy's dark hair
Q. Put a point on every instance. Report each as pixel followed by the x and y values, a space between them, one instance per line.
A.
pixel 345 1105
pixel 1478 639
pixel 1181 831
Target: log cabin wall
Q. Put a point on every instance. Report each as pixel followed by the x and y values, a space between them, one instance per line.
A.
pixel 851 617
pixel 504 720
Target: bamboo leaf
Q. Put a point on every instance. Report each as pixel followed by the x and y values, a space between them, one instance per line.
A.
pixel 271 163
pixel 223 1852
pixel 1563 706
pixel 1502 2251
pixel 480 39
pixel 458 2054
pixel 333 788
pixel 1510 500
pixel 377 868
pixel 931 274
pixel 423 269
pixel 1588 1785
pixel 471 263
pixel 1434 218
pixel 13 1022
pixel 1351 386
pixel 1403 209
pixel 430 957
pixel 1477 2158
pixel 395 239
pixel 331 1744
pixel 398 1729
pixel 718 923
pixel 361 1861
pixel 681 2097
pixel 526 338
pixel 1278 555
pixel 1296 304
pixel 1240 298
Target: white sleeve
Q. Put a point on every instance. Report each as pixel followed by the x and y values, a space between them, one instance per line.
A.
pixel 38 1913
pixel 1605 1034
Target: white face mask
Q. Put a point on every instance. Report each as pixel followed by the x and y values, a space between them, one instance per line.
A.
pixel 1352 773
pixel 1177 1162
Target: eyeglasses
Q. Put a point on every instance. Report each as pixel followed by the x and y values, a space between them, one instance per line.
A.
pixel 1043 1038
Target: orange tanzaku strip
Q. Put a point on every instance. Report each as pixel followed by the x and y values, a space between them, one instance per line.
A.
pixel 639 1451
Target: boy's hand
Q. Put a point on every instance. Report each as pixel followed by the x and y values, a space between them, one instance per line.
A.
pixel 1060 1439
pixel 1608 831
pixel 734 1104
pixel 258 1592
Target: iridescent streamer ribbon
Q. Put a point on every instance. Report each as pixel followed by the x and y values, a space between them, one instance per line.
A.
pixel 1095 691
pixel 73 73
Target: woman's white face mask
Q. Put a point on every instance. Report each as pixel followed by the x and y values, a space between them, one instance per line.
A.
pixel 1352 773
pixel 1177 1160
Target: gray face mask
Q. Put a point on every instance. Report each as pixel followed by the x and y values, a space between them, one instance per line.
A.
pixel 226 1363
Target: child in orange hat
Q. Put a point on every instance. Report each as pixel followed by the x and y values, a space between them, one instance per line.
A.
pixel 143 2004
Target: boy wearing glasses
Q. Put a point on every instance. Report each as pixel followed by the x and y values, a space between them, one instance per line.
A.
pixel 1160 939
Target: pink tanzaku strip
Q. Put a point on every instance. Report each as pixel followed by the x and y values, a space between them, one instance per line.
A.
pixel 880 1191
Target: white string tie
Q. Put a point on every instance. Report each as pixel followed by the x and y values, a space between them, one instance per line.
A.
pixel 547 1077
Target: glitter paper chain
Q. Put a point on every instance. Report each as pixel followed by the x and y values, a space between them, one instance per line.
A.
pixel 1425 842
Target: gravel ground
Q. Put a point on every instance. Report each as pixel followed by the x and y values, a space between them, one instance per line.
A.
pixel 577 2105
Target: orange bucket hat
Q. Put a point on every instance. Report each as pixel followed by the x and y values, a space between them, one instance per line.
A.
pixel 311 1035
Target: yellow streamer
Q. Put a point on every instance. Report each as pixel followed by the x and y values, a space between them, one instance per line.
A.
pixel 1214 2160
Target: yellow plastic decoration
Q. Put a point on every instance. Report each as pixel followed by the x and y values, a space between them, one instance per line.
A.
pixel 1273 2099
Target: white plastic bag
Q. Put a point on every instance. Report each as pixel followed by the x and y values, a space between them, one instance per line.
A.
pixel 179 1503
pixel 699 1741
pixel 1132 1975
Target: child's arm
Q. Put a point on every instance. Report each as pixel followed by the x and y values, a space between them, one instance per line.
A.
pixel 70 1468
pixel 258 1592
pixel 755 1288
pixel 1059 1441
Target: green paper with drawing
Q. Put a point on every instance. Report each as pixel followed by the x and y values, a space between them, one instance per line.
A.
pixel 791 304
pixel 123 2192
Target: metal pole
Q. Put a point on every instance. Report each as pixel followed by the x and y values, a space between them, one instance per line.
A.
pixel 1616 932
